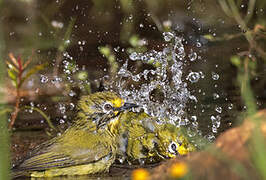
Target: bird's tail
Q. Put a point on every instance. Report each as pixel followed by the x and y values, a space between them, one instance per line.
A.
pixel 16 173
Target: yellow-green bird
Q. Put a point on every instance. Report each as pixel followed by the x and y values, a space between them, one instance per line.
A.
pixel 144 139
pixel 89 146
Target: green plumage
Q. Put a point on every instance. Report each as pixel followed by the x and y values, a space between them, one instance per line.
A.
pixel 81 149
pixel 102 132
pixel 143 138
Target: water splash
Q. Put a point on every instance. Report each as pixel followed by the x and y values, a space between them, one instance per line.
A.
pixel 162 92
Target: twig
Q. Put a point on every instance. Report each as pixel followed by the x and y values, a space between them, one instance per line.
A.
pixel 225 8
pixel 16 111
pixel 62 47
pixel 249 34
pixel 251 5
pixel 43 115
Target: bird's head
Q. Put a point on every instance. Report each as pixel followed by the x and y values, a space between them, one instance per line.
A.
pixel 102 107
pixel 172 142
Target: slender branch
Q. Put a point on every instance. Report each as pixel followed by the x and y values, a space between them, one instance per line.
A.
pixel 16 111
pixel 43 115
pixel 236 15
pixel 62 47
pixel 250 11
pixel 225 8
pixel 249 35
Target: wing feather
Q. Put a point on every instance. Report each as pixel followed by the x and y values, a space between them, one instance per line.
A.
pixel 72 148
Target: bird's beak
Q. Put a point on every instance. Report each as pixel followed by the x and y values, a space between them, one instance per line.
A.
pixel 126 106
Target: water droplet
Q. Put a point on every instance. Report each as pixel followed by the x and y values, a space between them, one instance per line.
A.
pixel 30 110
pixel 202 76
pixel 215 76
pixel 230 106
pixel 192 55
pixel 193 77
pixel 216 122
pixel 214 129
pixel 168 36
pixel 211 137
pixel 218 109
pixel 134 56
pixel 215 96
pixel 72 106
pixel 44 79
pixel 194 118
pixel 71 93
pixel 198 44
pixel 61 121
pixel 62 108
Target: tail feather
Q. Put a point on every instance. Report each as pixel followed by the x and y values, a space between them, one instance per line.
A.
pixel 15 173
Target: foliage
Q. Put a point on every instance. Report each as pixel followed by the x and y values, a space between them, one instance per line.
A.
pixel 254 34
pixel 19 72
pixel 246 67
pixel 257 145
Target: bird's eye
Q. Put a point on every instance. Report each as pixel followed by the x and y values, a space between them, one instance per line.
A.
pixel 107 107
pixel 173 148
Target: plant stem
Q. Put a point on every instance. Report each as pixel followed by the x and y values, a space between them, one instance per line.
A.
pixel 247 32
pixel 62 47
pixel 246 91
pixel 16 111
pixel 250 11
pixel 43 114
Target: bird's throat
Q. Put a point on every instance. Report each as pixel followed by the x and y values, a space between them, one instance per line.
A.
pixel 114 125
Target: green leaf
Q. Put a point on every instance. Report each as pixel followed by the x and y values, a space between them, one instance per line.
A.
pixel 33 70
pixel 104 50
pixel 66 41
pixel 12 74
pixel 11 66
pixel 134 41
pixel 235 60
pixel 209 37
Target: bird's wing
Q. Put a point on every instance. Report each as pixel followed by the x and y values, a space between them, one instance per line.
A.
pixel 70 149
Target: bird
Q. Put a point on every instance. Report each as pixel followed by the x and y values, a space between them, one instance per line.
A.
pixel 145 139
pixel 88 146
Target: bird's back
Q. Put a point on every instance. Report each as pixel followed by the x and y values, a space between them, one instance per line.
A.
pixel 73 148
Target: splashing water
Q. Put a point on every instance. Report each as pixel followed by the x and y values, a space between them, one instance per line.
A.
pixel 162 92
pixel 160 86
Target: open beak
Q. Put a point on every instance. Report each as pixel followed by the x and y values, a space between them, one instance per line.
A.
pixel 126 106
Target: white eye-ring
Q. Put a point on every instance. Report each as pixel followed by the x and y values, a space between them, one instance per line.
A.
pixel 107 107
pixel 172 148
